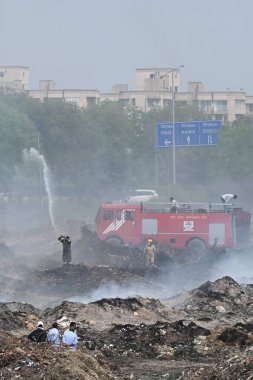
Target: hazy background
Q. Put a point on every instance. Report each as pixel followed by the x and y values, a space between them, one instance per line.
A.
pixel 99 153
pixel 97 43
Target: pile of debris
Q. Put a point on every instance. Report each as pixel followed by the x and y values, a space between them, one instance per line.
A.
pixel 71 280
pixel 221 301
pixel 161 340
pixel 205 333
pixel 92 251
pixel 106 313
pixel 21 359
pixel 238 365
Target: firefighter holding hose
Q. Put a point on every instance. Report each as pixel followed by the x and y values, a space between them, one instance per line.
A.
pixel 66 251
pixel 150 253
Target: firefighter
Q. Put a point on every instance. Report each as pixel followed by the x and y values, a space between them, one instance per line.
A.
pixel 66 252
pixel 175 204
pixel 150 253
pixel 225 198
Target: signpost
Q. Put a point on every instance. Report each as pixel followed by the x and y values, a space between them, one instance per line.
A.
pixel 189 133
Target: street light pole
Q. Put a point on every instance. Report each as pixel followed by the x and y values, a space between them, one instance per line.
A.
pixel 173 125
pixel 174 132
pixel 172 71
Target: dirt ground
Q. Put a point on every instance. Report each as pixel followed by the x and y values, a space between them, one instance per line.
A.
pixel 182 320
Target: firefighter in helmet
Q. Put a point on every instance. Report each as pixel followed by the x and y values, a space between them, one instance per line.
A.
pixel 150 253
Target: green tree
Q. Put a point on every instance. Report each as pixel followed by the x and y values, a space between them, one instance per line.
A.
pixel 235 153
pixel 108 149
pixel 17 133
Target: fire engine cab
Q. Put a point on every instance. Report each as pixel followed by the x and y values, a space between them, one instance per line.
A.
pixel 190 225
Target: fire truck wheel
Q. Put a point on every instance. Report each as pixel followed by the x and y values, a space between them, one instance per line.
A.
pixel 196 246
pixel 115 241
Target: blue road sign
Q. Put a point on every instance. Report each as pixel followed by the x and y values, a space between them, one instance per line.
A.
pixel 190 133
pixel 164 135
pixel 187 134
pixel 208 133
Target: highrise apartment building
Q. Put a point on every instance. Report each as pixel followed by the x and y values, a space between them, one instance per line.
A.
pixel 14 77
pixel 154 87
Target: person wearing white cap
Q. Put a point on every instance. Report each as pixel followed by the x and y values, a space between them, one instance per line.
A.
pixel 38 335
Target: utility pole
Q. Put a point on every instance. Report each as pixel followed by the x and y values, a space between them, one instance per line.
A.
pixel 173 124
pixel 174 131
pixel 172 71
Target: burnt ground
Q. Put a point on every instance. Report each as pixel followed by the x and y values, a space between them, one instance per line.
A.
pixel 187 319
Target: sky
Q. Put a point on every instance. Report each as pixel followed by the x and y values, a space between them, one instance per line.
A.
pixel 94 44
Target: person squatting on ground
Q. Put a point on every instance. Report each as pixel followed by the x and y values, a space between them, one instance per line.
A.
pixel 70 337
pixel 66 246
pixel 53 335
pixel 38 335
pixel 150 253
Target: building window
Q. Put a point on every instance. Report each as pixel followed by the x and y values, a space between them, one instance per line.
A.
pixel 220 106
pixel 152 76
pixel 250 107
pixel 239 105
pixel 71 100
pixel 213 106
pixel 91 100
pixel 205 105
pixel 152 102
pixel 166 103
pixel 124 102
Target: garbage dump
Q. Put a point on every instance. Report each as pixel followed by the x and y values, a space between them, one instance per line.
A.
pixel 176 324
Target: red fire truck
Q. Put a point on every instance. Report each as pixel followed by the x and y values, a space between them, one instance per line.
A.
pixel 190 225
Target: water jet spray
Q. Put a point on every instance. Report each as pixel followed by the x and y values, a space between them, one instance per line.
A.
pixel 46 177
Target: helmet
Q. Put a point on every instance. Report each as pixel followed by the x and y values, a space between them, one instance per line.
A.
pixel 150 241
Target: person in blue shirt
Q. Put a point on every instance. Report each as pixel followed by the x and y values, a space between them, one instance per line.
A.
pixel 53 335
pixel 70 337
